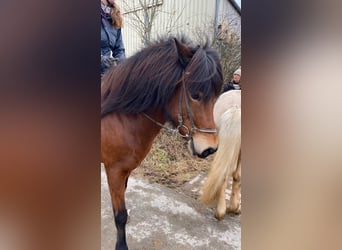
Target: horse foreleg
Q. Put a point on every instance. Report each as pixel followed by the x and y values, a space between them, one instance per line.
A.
pixel 221 204
pixel 234 203
pixel 117 181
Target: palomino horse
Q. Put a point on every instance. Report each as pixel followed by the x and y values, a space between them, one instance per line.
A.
pixel 169 81
pixel 227 160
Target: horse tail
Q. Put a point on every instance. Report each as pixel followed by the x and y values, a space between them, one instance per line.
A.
pixel 226 157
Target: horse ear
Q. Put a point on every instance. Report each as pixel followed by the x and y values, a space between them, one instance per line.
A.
pixel 184 53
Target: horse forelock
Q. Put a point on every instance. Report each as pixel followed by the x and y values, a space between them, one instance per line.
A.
pixel 148 79
pixel 204 73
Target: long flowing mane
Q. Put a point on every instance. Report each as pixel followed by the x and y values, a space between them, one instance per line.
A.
pixel 148 79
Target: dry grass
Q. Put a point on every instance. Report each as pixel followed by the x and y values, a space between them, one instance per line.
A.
pixel 170 163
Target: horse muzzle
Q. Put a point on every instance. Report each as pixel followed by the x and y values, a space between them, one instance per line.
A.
pixel 207 152
pixel 201 147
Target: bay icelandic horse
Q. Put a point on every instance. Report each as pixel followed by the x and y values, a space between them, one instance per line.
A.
pixel 227 160
pixel 170 81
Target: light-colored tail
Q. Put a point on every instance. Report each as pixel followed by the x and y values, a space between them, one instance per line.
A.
pixel 226 157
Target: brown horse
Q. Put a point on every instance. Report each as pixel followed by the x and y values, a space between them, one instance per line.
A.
pixel 169 81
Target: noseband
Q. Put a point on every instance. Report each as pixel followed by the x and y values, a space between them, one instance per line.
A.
pixel 190 131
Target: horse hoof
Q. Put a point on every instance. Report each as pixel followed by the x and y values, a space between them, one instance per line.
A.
pixel 218 216
pixel 234 211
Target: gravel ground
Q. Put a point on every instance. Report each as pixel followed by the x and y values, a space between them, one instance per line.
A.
pixel 162 218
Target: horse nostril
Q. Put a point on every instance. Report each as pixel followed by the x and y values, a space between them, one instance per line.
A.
pixel 212 150
pixel 207 152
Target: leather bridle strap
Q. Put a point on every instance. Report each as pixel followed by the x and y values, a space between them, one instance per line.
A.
pixel 181 124
pixel 189 114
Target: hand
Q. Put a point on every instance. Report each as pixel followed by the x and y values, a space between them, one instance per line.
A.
pixel 107 61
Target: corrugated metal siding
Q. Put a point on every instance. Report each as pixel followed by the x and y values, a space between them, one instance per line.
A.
pixel 195 18
pixel 228 12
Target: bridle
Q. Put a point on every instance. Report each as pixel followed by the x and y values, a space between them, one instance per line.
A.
pixel 189 131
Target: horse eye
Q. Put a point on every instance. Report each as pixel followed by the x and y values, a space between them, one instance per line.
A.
pixel 196 96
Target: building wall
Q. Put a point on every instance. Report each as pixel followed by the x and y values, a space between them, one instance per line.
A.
pixel 194 18
pixel 227 13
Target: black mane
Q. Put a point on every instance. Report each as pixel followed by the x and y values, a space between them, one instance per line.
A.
pixel 148 79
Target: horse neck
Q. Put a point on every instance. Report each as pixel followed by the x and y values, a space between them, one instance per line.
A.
pixel 144 129
pixel 131 135
pixel 147 124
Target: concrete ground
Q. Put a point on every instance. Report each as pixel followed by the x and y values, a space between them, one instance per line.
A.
pixel 161 218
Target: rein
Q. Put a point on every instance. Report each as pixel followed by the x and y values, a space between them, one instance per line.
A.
pixel 181 124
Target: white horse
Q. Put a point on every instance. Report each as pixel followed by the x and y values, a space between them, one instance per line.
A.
pixel 227 160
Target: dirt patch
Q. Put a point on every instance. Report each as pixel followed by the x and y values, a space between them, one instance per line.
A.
pixel 170 163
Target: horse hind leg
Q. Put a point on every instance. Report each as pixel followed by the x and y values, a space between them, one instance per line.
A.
pixel 117 181
pixel 221 204
pixel 234 203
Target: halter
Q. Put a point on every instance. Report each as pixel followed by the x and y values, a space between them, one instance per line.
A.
pixel 181 124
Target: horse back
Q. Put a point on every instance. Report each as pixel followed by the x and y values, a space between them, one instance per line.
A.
pixel 226 101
